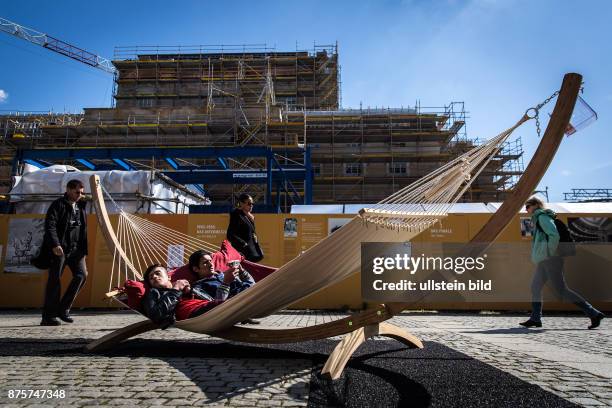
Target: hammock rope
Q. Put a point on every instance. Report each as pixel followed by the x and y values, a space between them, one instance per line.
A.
pixel 145 243
pixel 421 204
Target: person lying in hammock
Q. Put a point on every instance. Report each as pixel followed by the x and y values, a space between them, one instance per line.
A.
pixel 211 284
pixel 165 302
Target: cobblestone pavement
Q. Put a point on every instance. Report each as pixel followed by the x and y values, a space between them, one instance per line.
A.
pixel 562 358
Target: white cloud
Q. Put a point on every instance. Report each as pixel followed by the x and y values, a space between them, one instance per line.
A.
pixel 3 95
pixel 566 173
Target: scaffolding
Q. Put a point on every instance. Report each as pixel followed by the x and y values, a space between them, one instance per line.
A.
pixel 253 95
pixel 582 195
pixel 363 155
pixel 226 77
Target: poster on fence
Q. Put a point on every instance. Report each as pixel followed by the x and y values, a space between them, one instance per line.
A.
pixel 25 237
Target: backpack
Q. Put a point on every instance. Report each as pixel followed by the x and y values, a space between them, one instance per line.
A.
pixel 567 245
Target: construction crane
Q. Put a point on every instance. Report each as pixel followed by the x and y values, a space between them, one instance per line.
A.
pixel 59 46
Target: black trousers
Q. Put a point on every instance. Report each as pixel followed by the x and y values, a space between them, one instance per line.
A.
pixel 53 305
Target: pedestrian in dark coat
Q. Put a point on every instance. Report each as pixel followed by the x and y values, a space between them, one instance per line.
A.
pixel 241 230
pixel 64 243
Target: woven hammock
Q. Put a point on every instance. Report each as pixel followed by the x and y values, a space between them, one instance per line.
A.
pixel 138 242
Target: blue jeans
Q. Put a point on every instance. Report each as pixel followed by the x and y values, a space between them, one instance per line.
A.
pixel 551 269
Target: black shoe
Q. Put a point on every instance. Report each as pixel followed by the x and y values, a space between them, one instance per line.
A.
pixel 50 321
pixel 66 317
pixel 531 323
pixel 250 321
pixel 596 321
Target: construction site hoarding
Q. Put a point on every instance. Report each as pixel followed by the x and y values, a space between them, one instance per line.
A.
pixel 284 237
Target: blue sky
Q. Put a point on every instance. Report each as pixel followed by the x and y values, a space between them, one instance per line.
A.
pixel 499 57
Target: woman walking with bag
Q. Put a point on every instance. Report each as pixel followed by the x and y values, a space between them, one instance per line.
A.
pixel 548 257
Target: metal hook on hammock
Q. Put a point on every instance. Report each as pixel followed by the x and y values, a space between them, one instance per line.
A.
pixel 536 111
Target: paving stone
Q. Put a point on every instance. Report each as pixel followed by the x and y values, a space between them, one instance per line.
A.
pixel 587 402
pixel 148 395
pixel 182 402
pixel 153 401
pixel 125 402
pixel 567 388
pixel 240 403
pixel 219 389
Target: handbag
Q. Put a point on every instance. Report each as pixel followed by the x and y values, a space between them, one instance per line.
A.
pixel 39 261
pixel 258 251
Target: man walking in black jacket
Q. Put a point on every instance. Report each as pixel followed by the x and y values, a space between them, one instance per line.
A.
pixel 64 243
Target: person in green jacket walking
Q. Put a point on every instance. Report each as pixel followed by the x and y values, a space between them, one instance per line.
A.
pixel 549 266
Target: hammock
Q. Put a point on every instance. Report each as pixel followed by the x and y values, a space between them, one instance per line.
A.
pixel 138 242
pixel 398 218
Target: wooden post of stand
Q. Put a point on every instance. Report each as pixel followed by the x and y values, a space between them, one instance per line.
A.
pixel 117 336
pixel 350 343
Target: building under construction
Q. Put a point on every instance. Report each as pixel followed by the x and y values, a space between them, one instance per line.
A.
pixel 217 119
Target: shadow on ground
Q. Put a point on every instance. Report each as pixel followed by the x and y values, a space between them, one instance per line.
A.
pixel 520 330
pixel 381 373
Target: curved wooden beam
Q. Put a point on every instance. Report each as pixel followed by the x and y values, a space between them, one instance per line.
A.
pixel 338 327
pixel 399 334
pixel 317 332
pixel 112 339
pixel 334 366
pixel 108 232
pixel 535 170
pixel 337 360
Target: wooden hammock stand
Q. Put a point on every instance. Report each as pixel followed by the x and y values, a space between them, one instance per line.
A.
pixel 372 322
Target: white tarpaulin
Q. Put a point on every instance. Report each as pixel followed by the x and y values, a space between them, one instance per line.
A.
pixel 134 191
